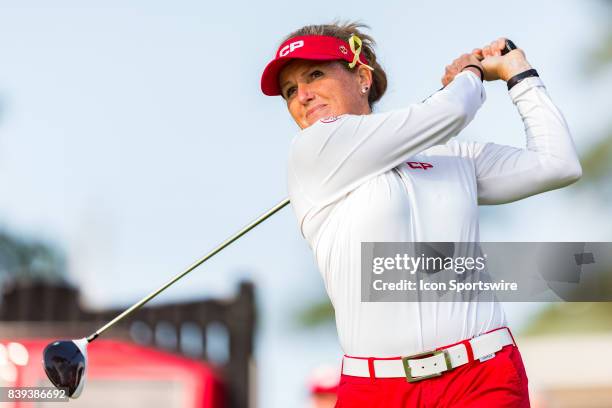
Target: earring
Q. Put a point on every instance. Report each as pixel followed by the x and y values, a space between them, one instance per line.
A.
pixel 364 89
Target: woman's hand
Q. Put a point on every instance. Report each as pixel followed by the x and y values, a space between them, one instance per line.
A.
pixel 458 65
pixel 501 67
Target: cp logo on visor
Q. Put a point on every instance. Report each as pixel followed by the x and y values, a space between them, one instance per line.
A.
pixel 290 48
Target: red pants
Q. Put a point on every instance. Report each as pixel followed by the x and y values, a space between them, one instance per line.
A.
pixel 498 382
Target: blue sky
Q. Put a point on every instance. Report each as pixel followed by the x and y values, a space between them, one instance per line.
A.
pixel 135 135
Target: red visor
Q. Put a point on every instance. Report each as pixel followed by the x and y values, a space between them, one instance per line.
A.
pixel 308 47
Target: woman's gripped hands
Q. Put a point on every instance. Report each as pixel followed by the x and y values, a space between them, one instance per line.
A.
pixel 497 66
pixel 459 64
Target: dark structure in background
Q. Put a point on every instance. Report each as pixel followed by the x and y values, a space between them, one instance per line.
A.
pixel 217 331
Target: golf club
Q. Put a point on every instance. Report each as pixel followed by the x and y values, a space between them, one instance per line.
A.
pixel 65 361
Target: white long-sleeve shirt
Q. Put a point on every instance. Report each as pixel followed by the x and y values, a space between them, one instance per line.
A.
pixel 398 176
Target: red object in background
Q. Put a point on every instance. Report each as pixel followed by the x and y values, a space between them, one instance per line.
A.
pixel 126 374
pixel 323 384
pixel 324 380
pixel 321 389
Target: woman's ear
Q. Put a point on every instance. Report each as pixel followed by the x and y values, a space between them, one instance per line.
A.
pixel 364 76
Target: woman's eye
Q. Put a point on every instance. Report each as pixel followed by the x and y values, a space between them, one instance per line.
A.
pixel 316 74
pixel 289 92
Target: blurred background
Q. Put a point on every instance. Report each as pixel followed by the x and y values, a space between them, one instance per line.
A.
pixel 134 138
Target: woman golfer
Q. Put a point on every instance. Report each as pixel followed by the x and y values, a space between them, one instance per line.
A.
pixel 357 176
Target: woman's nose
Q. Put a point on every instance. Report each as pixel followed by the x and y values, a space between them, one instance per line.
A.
pixel 304 93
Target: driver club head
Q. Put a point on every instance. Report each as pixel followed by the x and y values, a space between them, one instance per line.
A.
pixel 65 362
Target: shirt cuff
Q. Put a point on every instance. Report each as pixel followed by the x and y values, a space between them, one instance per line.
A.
pixel 469 71
pixel 525 85
pixel 475 78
